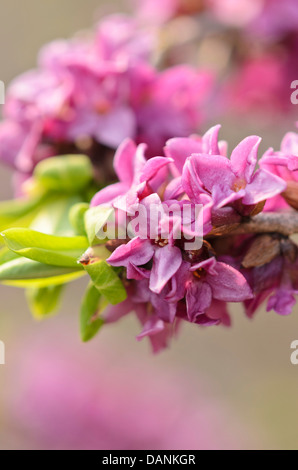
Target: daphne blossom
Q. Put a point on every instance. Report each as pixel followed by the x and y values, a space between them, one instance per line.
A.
pixel 167 280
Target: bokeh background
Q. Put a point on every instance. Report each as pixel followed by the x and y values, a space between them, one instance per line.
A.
pixel 214 388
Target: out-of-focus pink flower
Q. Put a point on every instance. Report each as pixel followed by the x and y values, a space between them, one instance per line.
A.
pixel 238 13
pixel 266 19
pixel 243 94
pixel 68 400
pixel 276 281
pixel 284 164
pixel 88 95
pixel 154 12
pixel 275 19
pixel 173 106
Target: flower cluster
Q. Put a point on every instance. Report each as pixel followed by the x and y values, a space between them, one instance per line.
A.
pixel 88 94
pixel 166 280
pixel 250 38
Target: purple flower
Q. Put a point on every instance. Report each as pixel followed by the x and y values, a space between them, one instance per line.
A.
pixel 276 281
pixel 167 280
pixel 137 176
pixel 214 280
pixel 230 182
pixel 284 164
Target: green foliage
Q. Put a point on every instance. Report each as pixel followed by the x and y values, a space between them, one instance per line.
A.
pixel 106 281
pixel 19 212
pixel 47 249
pixel 26 271
pixel 77 217
pixel 90 321
pixel 44 301
pixel 95 219
pixel 69 173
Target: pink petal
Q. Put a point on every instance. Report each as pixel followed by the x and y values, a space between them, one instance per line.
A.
pixel 152 326
pixel 134 272
pixel 289 144
pixel 108 194
pixel 228 284
pixel 244 157
pixel 180 148
pixel 218 311
pixel 115 126
pixel 264 185
pixel 210 171
pixel 113 313
pixel 208 265
pixel 198 299
pixel 153 166
pixel 282 302
pixel 136 251
pixel 174 189
pixel 123 161
pixel 166 262
pixel 191 182
pixel 210 141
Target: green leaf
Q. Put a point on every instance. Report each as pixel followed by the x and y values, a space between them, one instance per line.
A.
pixel 67 173
pixel 53 218
pixel 90 322
pixel 44 301
pixel 106 281
pixel 19 212
pixel 95 219
pixel 47 249
pixel 22 269
pixel 6 255
pixel 77 218
pixel 47 281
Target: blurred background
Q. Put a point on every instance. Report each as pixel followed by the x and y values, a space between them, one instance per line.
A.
pixel 214 388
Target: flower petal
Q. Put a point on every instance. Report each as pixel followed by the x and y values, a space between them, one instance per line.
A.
pixel 123 161
pixel 198 299
pixel 210 141
pixel 180 148
pixel 108 194
pixel 136 251
pixel 228 284
pixel 166 262
pixel 205 172
pixel 244 157
pixel 282 302
pixel 264 185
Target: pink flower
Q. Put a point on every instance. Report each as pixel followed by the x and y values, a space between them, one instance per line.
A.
pixel 276 281
pixel 88 95
pixel 283 164
pixel 167 280
pixel 137 176
pixel 243 94
pixel 214 280
pixel 230 182
pixel 174 106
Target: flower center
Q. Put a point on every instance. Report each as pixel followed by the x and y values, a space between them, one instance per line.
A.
pixel 239 184
pixel 161 242
pixel 199 273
